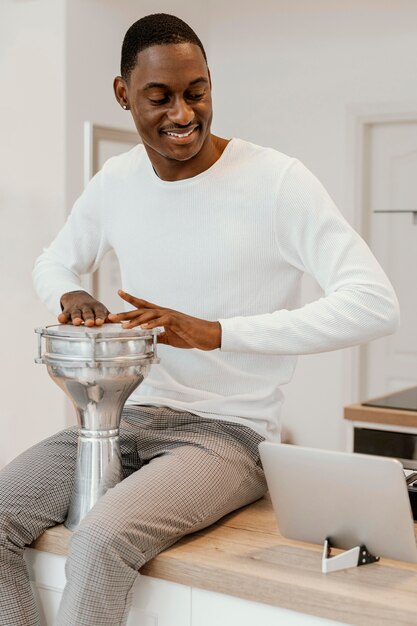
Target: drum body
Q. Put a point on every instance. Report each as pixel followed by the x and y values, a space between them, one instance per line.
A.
pixel 98 368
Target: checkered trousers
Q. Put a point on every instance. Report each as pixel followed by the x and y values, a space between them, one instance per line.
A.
pixel 181 473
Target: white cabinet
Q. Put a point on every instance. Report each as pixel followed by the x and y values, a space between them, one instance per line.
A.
pixel 210 608
pixel 47 575
pixel 160 603
pixel 155 602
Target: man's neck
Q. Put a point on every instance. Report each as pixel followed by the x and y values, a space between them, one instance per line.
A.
pixel 172 170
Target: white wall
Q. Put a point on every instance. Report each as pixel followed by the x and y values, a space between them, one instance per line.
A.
pixel 58 59
pixel 95 31
pixel 285 73
pixel 32 174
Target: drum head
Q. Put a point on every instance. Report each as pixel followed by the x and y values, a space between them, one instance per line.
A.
pixel 109 343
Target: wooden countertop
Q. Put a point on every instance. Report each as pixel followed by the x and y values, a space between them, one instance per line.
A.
pixel 244 555
pixel 379 415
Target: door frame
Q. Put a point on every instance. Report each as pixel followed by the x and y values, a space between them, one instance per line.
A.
pixel 94 134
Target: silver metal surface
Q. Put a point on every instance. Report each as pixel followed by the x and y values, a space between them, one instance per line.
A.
pixel 98 368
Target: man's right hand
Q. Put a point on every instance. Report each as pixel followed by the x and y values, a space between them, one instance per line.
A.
pixel 79 307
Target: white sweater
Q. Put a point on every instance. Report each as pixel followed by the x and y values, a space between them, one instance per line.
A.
pixel 230 244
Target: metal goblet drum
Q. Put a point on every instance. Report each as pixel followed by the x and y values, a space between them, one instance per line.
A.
pixel 98 368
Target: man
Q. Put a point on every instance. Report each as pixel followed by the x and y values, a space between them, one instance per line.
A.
pixel 212 236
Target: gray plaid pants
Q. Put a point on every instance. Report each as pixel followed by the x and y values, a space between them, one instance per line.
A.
pixel 192 472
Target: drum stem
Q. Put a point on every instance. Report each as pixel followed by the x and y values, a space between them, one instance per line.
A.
pixel 98 469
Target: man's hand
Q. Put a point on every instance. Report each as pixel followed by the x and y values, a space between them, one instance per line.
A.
pixel 181 331
pixel 79 307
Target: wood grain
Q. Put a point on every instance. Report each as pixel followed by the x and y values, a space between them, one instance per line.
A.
pixel 244 555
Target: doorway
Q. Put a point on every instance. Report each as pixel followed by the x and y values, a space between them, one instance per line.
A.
pixel 388 198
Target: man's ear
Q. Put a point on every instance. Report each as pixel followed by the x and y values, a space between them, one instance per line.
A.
pixel 209 75
pixel 120 92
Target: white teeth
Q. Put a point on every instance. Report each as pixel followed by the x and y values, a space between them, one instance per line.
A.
pixel 180 135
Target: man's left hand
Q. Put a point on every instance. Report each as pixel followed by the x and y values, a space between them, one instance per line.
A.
pixel 181 331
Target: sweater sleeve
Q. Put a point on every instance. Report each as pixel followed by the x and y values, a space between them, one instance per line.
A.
pixel 77 249
pixel 359 303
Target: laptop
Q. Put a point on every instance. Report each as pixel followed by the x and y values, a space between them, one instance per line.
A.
pixel 351 499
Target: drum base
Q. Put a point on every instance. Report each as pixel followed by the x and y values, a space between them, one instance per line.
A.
pixel 99 468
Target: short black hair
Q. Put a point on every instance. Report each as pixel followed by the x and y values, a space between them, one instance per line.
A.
pixel 152 30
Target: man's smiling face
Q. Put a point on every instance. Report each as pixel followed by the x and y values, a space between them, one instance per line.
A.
pixel 169 95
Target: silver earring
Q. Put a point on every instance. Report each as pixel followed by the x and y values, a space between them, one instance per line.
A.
pixel 125 107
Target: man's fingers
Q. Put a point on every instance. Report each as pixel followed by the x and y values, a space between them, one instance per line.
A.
pixel 85 314
pixel 125 315
pixel 137 302
pixel 151 323
pixel 88 316
pixel 128 297
pixel 63 318
pixel 140 315
pixel 101 315
pixel 76 316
